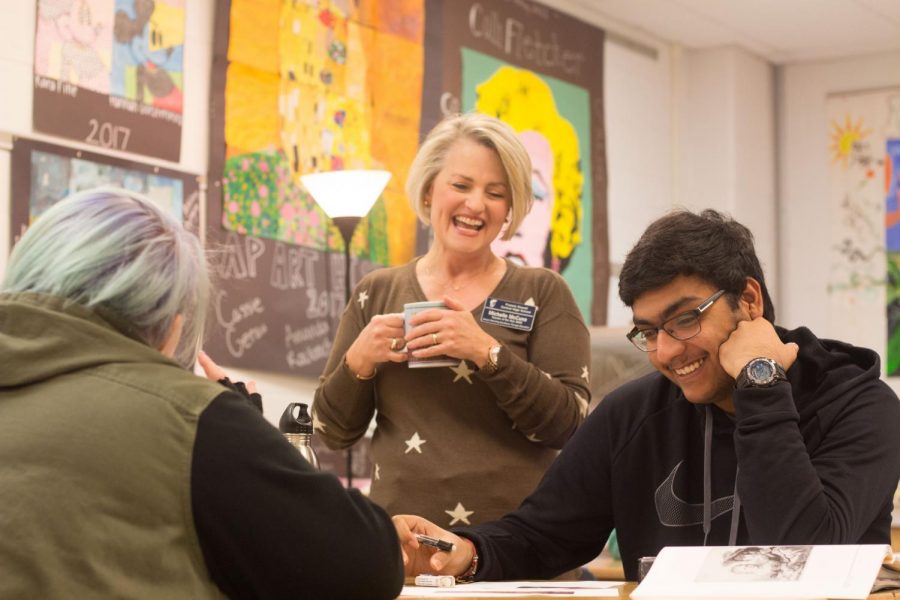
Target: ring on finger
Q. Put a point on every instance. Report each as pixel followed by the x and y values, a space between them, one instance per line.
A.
pixel 434 340
pixel 394 345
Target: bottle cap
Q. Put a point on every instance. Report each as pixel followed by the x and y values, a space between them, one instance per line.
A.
pixel 299 423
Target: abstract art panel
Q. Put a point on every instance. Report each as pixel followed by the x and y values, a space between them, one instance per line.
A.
pixel 864 279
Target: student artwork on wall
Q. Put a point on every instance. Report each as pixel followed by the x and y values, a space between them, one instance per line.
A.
pixel 340 81
pixel 541 71
pixel 110 73
pixel 43 174
pixel 864 281
pixel 301 87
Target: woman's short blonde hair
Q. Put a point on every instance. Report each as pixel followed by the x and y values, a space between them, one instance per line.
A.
pixel 488 131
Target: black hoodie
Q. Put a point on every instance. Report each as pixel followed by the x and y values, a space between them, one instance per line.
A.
pixel 813 461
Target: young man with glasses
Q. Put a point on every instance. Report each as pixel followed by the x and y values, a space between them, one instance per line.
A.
pixel 748 434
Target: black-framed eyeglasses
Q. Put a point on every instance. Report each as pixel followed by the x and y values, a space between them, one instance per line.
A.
pixel 681 327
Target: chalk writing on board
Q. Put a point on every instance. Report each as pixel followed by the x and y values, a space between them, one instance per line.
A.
pixel 239 255
pixel 293 267
pixel 309 354
pixel 240 335
pixel 299 337
pixel 318 304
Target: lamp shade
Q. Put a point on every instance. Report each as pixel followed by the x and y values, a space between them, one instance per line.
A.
pixel 348 193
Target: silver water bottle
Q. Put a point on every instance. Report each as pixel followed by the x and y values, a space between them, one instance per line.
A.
pixel 297 427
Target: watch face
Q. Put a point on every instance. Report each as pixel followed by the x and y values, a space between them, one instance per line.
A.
pixel 495 355
pixel 760 371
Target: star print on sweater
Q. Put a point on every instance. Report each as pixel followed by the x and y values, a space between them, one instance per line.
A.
pixel 584 373
pixel 414 443
pixel 317 424
pixel 462 371
pixel 582 404
pixel 541 369
pixel 460 514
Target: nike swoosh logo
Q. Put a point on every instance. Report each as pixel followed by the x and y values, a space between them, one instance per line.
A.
pixel 675 512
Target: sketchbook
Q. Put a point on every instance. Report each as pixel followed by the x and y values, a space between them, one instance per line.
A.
pixel 736 572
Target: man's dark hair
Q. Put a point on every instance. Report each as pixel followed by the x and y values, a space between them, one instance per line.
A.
pixel 711 245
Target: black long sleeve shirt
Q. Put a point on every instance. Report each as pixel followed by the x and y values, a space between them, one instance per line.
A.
pixel 271 526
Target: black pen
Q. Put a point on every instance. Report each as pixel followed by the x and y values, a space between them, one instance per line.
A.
pixel 435 543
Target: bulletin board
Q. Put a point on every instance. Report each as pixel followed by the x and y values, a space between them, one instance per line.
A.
pixel 43 174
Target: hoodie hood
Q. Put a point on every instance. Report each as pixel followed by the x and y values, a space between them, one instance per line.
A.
pixel 43 336
pixel 824 372
pixel 826 369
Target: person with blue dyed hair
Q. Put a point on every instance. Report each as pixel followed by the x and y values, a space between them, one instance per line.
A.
pixel 124 474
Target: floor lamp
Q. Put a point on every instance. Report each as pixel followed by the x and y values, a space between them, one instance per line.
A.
pixel 346 197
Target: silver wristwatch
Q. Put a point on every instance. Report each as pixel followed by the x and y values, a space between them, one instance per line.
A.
pixel 760 372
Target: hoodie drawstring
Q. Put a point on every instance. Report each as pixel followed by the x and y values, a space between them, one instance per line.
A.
pixel 707 486
pixel 735 512
pixel 707 464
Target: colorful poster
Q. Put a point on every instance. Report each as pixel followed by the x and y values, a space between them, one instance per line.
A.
pixel 300 87
pixel 111 73
pixel 864 148
pixel 541 71
pixel 329 76
pixel 892 227
pixel 44 174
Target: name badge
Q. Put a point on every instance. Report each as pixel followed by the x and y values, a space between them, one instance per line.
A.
pixel 506 313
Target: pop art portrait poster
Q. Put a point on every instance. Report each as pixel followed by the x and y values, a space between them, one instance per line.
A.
pixel 540 71
pixel 110 73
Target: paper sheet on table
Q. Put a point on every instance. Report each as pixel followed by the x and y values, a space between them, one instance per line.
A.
pixel 518 589
pixel 763 572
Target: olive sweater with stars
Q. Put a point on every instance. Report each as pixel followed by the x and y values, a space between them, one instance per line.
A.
pixel 458 445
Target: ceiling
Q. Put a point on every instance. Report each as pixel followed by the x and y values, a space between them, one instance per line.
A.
pixel 781 31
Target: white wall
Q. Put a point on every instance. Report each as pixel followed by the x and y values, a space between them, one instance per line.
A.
pixel 726 143
pixel 17 31
pixel 803 211
pixel 639 134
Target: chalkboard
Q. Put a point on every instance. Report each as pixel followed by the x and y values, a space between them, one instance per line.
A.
pixel 276 305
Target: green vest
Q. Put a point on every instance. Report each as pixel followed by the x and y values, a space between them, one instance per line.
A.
pixel 95 469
